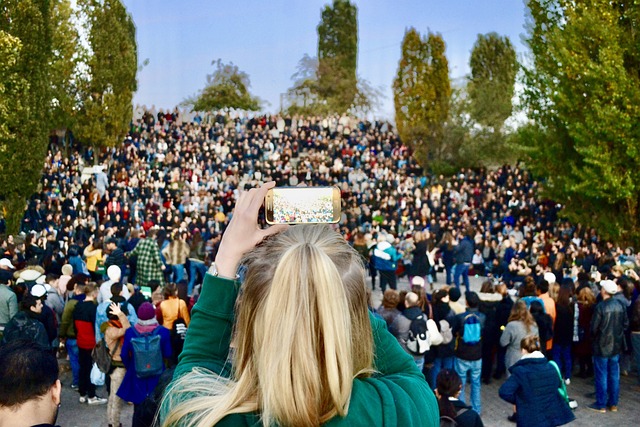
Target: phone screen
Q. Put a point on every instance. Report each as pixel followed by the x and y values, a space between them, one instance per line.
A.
pixel 303 205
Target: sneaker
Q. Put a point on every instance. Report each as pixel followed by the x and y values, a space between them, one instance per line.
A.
pixel 567 381
pixel 83 399
pixel 96 400
pixel 613 408
pixel 74 386
pixel 513 417
pixel 596 408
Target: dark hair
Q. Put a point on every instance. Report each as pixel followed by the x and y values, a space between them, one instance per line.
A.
pixel 473 300
pixel 564 296
pixel 27 302
pixel 116 289
pixel 536 307
pixel 153 284
pixel 543 286
pixel 170 290
pixel 27 371
pixel 448 384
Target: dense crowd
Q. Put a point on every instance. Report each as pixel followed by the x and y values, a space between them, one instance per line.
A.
pixel 139 224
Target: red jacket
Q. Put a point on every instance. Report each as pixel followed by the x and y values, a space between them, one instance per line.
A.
pixel 84 319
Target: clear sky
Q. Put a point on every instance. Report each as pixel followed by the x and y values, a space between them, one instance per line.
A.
pixel 266 39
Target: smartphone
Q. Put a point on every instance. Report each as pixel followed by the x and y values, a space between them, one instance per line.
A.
pixel 302 205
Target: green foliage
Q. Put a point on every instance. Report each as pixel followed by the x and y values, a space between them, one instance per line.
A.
pixel 106 90
pixel 226 88
pixel 583 92
pixel 25 29
pixel 337 83
pixel 491 84
pixel 422 96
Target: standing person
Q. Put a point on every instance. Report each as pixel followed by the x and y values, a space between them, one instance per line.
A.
pixel 176 254
pixel 386 258
pixel 420 262
pixel 93 255
pixel 68 332
pixel 462 256
pixel 549 304
pixel 634 327
pixel 138 383
pixel 114 330
pixel 117 295
pixel 563 332
pixel 84 318
pixel 545 325
pixel 173 314
pixel 115 255
pixel 197 267
pixel 444 317
pixel 448 386
pixel 607 330
pixel 401 326
pixel 468 330
pixel 489 302
pixel 538 402
pixel 521 325
pixel 291 378
pixel 582 349
pixel 8 301
pixel 446 251
pixel 149 266
pixel 388 309
pixel 25 324
pixel 502 318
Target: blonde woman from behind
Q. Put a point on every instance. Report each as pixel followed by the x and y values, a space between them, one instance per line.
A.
pixel 306 351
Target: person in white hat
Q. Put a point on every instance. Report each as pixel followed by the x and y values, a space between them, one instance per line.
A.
pixel 607 332
pixel 6 270
pixel 114 274
pixel 8 298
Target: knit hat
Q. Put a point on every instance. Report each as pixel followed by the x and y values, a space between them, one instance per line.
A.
pixel 418 281
pixel 550 278
pixel 146 311
pixel 114 273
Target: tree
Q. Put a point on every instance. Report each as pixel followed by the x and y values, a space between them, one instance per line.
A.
pixel 106 90
pixel 67 51
pixel 492 80
pixel 226 88
pixel 422 96
pixel 583 95
pixel 25 42
pixel 338 55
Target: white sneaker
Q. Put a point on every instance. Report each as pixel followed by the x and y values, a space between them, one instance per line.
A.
pixel 567 381
pixel 96 400
pixel 83 399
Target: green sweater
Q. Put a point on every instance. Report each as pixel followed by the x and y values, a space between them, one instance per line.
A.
pixel 397 395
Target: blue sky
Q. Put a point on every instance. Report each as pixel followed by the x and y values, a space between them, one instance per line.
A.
pixel 266 39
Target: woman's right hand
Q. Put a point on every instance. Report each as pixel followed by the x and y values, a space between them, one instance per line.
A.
pixel 243 232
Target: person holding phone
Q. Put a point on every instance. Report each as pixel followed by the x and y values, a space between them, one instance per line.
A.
pixel 306 350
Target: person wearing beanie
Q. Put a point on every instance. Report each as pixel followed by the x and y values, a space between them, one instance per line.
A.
pixel 454 303
pixel 134 389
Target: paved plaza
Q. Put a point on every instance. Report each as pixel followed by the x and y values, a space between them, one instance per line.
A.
pixel 495 410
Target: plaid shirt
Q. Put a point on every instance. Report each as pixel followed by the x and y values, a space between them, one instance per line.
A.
pixel 149 264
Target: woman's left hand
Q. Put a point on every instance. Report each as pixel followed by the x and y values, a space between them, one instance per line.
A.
pixel 243 232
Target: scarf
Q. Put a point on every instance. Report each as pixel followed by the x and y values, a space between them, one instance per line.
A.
pixel 146 326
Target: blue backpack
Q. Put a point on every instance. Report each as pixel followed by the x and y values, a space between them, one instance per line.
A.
pixel 147 354
pixel 472 329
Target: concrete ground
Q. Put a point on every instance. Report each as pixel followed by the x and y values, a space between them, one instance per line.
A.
pixel 495 410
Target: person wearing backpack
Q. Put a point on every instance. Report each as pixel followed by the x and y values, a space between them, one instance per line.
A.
pixel 453 412
pixel 410 329
pixel 444 317
pixel 145 351
pixel 114 330
pixel 467 330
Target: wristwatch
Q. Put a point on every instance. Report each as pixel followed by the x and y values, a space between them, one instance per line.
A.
pixel 213 270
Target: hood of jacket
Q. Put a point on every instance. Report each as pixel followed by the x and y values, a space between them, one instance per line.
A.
pixel 495 297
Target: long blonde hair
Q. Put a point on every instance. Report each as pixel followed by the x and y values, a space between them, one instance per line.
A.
pixel 521 312
pixel 302 334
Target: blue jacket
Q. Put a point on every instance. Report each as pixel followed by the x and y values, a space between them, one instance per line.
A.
pixel 134 389
pixel 385 257
pixel 533 388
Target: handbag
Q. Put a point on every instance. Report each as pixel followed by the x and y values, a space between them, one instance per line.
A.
pixel 562 390
pixel 102 356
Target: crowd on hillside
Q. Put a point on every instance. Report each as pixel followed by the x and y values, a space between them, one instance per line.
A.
pixel 139 224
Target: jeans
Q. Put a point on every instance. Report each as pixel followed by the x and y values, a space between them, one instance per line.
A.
pixel 607 378
pixel 448 273
pixel 635 344
pixel 473 367
pixel 461 270
pixel 562 357
pixel 387 278
pixel 74 361
pixel 419 362
pixel 178 272
pixel 439 364
pixel 195 268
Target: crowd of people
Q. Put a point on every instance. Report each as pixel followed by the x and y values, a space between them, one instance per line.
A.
pixel 116 243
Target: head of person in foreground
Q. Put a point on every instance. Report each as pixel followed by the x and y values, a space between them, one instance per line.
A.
pixel 302 334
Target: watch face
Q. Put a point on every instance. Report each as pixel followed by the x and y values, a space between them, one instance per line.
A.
pixel 213 270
